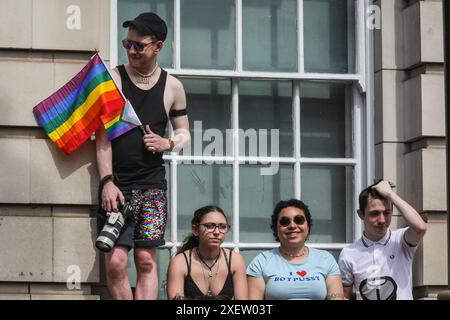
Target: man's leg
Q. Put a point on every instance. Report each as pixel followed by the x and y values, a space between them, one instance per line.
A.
pixel 117 273
pixel 147 275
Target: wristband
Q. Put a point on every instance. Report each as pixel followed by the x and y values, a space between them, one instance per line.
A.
pixel 171 143
pixel 105 179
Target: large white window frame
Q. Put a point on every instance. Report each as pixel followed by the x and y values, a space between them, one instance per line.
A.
pixel 362 117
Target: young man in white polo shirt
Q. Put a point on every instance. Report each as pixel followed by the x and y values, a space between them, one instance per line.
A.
pixel 378 265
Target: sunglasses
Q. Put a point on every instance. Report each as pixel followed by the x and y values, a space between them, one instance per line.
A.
pixel 138 46
pixel 223 227
pixel 298 220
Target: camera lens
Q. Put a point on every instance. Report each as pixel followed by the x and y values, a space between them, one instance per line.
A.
pixel 110 232
pixel 102 246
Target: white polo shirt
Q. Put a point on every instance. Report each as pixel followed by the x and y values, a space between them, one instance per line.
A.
pixel 382 267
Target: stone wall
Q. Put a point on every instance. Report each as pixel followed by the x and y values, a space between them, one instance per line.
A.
pixel 47 220
pixel 410 124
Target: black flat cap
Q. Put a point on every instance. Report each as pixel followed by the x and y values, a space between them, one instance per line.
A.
pixel 148 23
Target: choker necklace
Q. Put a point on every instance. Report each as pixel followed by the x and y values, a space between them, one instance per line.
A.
pixel 210 273
pixel 293 255
pixel 144 78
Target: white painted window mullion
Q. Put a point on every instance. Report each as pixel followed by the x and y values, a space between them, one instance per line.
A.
pixel 239 57
pixel 176 35
pixel 330 161
pixel 255 159
pixel 235 128
pixel 174 205
pixel 262 160
pixel 213 73
pixel 300 40
pixel 297 140
pixel 369 103
pixel 358 132
pixel 360 47
pixel 113 56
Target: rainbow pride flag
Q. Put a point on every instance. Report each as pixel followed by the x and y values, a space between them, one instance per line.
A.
pixel 91 98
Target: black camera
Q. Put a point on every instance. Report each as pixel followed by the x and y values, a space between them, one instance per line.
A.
pixel 112 228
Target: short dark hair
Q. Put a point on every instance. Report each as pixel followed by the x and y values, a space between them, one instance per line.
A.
pixel 367 193
pixel 289 203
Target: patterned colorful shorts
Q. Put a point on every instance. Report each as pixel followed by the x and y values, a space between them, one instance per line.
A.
pixel 147 224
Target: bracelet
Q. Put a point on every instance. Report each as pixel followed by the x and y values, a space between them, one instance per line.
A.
pixel 171 143
pixel 100 187
pixel 105 179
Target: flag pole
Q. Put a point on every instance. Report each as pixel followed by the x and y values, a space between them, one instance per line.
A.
pixel 120 90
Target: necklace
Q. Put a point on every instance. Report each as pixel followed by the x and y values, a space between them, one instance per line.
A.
pixel 293 255
pixel 144 78
pixel 210 273
pixel 208 279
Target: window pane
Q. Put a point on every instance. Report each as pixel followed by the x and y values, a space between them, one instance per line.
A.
pixel 249 255
pixel 269 34
pixel 325 120
pixel 209 109
pixel 258 195
pixel 329 36
pixel 129 9
pixel 201 185
pixel 327 190
pixel 335 253
pixel 207 34
pixel 265 106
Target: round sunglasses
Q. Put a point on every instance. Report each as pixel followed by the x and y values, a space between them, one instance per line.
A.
pixel 298 220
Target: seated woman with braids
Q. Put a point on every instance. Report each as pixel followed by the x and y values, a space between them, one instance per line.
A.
pixel 203 270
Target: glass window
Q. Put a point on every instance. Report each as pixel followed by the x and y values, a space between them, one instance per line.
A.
pixel 208 34
pixel 249 255
pixel 325 120
pixel 209 110
pixel 335 254
pixel 265 106
pixel 267 124
pixel 258 195
pixel 327 190
pixel 269 33
pixel 130 9
pixel 329 36
pixel 201 185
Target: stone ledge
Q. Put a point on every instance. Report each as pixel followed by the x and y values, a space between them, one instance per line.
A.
pixel 15 296
pixel 58 289
pixel 14 288
pixel 63 297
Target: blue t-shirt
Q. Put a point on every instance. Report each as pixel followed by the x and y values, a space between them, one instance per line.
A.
pixel 289 281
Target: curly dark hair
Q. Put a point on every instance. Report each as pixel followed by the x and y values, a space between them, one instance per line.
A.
pixel 191 241
pixel 289 203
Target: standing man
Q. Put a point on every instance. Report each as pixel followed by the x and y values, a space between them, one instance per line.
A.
pixel 131 166
pixel 378 265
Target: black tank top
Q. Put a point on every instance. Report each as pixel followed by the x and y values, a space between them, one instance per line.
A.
pixel 192 291
pixel 133 165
